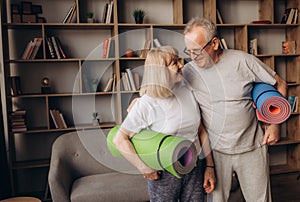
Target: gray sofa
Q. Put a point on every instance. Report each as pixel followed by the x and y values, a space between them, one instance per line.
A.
pixel 76 175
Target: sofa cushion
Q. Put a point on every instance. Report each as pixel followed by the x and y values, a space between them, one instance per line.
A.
pixel 110 187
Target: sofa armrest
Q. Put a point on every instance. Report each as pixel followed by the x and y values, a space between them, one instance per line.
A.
pixel 60 180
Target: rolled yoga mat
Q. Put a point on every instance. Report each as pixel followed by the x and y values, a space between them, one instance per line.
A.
pixel 271 106
pixel 159 151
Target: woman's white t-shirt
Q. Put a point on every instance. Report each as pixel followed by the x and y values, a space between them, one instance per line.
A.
pixel 178 115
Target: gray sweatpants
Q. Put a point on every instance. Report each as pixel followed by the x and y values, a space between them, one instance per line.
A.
pixel 169 188
pixel 252 169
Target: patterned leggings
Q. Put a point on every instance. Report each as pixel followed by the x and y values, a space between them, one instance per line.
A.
pixel 169 188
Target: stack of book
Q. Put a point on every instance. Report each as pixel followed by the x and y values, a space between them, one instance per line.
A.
pixel 18 123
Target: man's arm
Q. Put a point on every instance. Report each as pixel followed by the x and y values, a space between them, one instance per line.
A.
pixel 272 132
pixel 209 174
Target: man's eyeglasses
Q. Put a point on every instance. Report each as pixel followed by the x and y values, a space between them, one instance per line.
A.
pixel 199 51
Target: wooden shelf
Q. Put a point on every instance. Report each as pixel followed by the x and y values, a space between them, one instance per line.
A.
pixel 278 169
pixel 31 164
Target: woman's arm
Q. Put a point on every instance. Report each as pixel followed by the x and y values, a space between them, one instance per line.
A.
pixel 209 174
pixel 126 148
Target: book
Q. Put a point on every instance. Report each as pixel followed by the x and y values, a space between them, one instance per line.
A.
pixel 285 15
pixel 106 47
pixel 290 16
pixel 17 120
pixel 28 50
pixel 114 83
pixel 223 43
pixel 219 17
pixel 295 20
pixel 57 52
pixel 108 85
pixel 61 51
pixel 125 82
pixel 72 15
pixel 289 47
pixel 53 118
pixel 109 12
pixel 69 13
pixel 293 100
pixel 136 78
pixel 253 46
pixel 37 45
pixel 57 119
pixel 50 47
pixel 156 42
pixel 15 85
pixel 131 79
pixel 63 120
pixel 104 13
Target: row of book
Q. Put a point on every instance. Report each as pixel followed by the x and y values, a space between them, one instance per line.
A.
pixel 293 100
pixel 130 80
pixel 18 121
pixel 15 85
pixel 32 48
pixel 58 119
pixel 55 48
pixel 107 12
pixel 290 16
pixel 71 14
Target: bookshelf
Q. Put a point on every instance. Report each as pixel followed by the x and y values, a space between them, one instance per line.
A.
pixel 77 82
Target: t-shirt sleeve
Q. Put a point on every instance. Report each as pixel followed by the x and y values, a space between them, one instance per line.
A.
pixel 262 72
pixel 135 120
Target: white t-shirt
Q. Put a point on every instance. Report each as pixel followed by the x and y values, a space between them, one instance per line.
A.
pixel 178 115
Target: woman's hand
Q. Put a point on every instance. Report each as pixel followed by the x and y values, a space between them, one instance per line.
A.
pixel 149 173
pixel 152 176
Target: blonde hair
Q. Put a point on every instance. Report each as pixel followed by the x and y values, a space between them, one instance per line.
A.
pixel 207 25
pixel 156 78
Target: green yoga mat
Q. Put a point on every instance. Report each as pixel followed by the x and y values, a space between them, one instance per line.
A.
pixel 159 151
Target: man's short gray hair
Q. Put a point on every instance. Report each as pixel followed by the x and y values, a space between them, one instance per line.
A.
pixel 209 27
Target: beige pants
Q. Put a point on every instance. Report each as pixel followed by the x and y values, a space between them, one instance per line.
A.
pixel 252 169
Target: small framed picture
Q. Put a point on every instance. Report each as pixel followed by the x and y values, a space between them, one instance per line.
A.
pixel 36 9
pixel 15 8
pixel 26 7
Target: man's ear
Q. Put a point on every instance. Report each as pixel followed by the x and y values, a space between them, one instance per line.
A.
pixel 216 43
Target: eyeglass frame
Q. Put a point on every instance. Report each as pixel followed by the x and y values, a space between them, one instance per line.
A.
pixel 200 49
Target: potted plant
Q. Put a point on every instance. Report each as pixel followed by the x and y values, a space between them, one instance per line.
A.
pixel 90 16
pixel 138 15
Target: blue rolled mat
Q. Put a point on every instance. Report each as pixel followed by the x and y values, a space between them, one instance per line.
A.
pixel 159 151
pixel 271 106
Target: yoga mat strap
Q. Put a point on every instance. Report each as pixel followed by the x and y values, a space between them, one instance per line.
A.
pixel 157 152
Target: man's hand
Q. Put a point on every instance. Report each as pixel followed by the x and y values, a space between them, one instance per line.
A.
pixel 272 134
pixel 209 180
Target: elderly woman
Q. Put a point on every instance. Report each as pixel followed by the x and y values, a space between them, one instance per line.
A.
pixel 167 106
